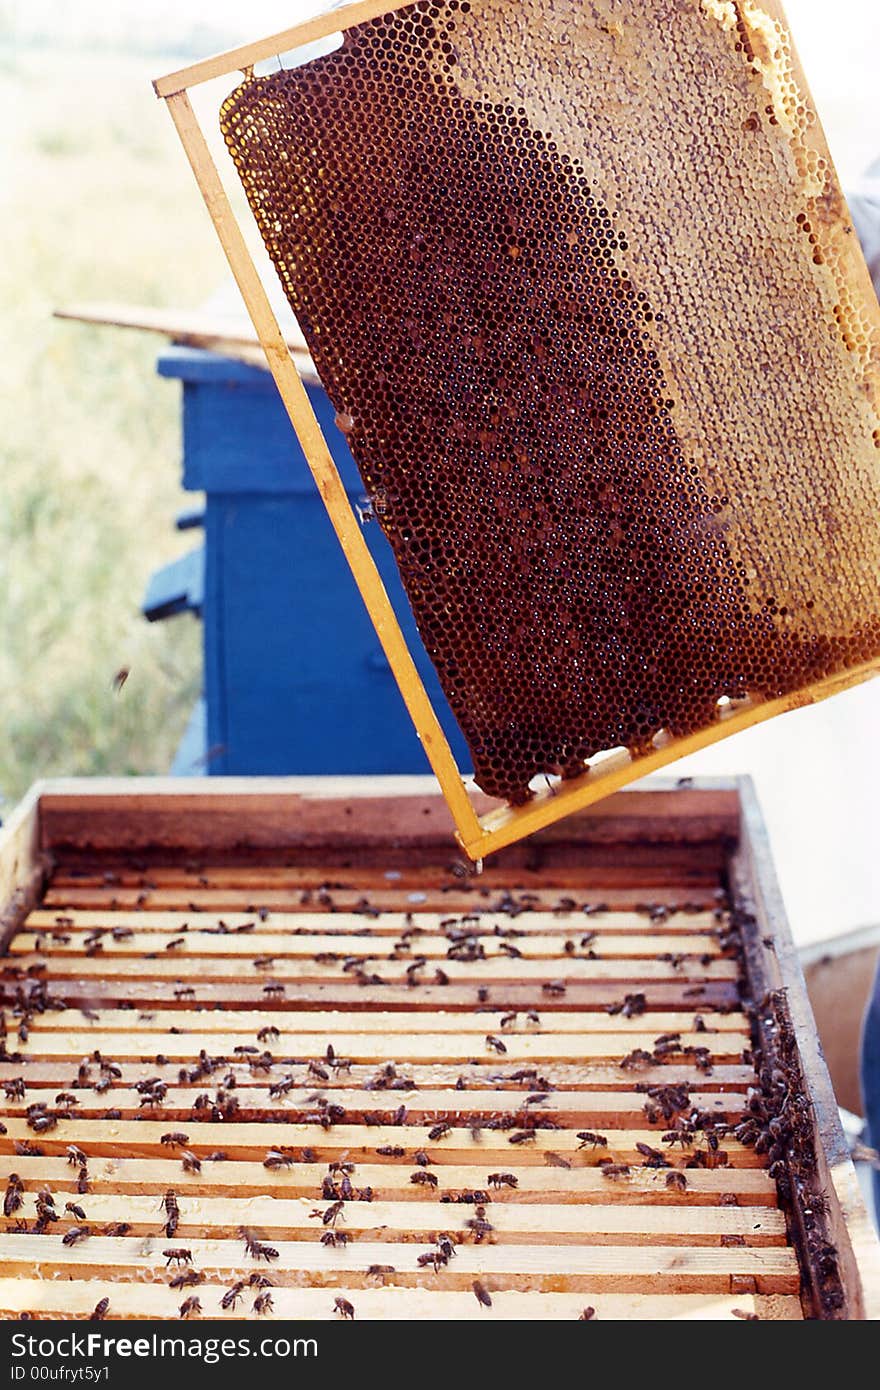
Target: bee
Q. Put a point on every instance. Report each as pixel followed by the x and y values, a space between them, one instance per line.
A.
pixel 174 1140
pixel 615 1171
pixel 268 1034
pixel 343 1308
pixel 676 1180
pixel 502 1180
pixel 12 1201
pixel 421 1158
pixel 82 1181
pixel 75 1210
pixel 334 1238
pixel 332 1214
pixel 392 1151
pixel 190 1307
pixel 495 1044
pixel 186 1280
pixel 587 1314
pixel 117 1228
pixel 178 1255
pixel 379 1271
pixel 172 1211
pixel 439 1132
pixel 263 1303
pixel 482 1294
pixel 76 1233
pixel 275 1159
pixel 423 1179
pixel 522 1136
pixel 595 1141
pixel 100 1311
pixel 232 1296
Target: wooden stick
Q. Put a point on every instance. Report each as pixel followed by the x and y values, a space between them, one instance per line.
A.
pixel 293 1218
pixel 389 1180
pixel 77 1299
pixel 647 1269
pixel 373 1047
pixel 129 1138
pixel 324 1024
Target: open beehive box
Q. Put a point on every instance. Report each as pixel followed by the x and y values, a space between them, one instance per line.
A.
pixel 581 284
pixel 268 1041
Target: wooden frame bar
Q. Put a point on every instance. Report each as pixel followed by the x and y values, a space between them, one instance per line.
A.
pixel 495 828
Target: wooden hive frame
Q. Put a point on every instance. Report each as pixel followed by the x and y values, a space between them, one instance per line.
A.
pixel 482 833
pixel 151 857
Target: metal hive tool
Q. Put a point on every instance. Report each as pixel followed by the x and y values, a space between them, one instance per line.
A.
pixel 581 284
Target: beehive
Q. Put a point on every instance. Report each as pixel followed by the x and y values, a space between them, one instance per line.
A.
pixel 274 1034
pixel 581 284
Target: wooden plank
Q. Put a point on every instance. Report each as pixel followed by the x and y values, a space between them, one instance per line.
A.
pixel 61 1074
pixel 399 818
pixel 535 927
pixel 498 971
pixel 589 1109
pixel 205 328
pixel 22 866
pixel 243 1141
pixel 367 1047
pixel 647 1269
pixel 347 996
pixel 194 941
pixel 389 1179
pixel 512 1222
pixel 250 1022
pixel 77 1299
pixel 308 888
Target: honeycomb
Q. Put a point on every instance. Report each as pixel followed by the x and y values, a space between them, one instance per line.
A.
pixel 580 283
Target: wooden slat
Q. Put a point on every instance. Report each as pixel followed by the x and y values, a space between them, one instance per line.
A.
pixel 482 922
pixel 352 1141
pixel 589 1109
pixel 379 949
pixel 499 970
pixel 345 995
pixel 389 1179
pixel 512 1222
pixel 61 1075
pixel 78 1298
pixel 439 1047
pixel 248 1023
pixel 417 892
pixel 647 1268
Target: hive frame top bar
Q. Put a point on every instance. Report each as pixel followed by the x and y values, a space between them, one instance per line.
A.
pixel 309 31
pixel 478 835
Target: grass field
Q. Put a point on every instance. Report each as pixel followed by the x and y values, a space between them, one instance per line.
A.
pixel 97 203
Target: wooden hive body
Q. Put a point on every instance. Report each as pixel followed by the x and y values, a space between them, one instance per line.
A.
pixel 316 942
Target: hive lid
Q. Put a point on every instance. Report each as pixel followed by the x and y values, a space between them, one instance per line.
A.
pixel 583 288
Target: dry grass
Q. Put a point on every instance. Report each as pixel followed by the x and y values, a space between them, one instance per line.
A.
pixel 97 203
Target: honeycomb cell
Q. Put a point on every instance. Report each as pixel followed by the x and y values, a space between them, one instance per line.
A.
pixel 602 361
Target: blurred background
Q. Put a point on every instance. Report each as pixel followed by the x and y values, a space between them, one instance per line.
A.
pixel 100 204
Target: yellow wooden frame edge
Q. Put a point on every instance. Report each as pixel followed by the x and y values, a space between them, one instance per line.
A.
pixel 477 835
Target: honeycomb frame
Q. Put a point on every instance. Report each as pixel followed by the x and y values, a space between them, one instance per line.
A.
pixel 758 28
